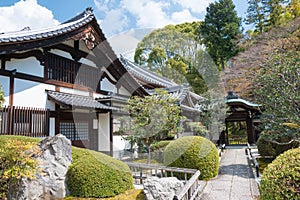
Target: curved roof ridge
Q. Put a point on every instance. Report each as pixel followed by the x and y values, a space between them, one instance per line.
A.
pixel 146 74
pixel 26 35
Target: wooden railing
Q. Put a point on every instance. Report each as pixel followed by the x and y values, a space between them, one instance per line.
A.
pixel 190 190
pixel 32 122
pixel 65 70
pixel 253 159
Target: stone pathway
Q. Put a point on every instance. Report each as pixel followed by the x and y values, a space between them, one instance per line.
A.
pixel 235 180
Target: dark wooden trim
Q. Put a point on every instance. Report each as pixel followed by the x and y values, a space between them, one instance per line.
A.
pixel 57 118
pixel 38 54
pixel 250 130
pixel 11 90
pixel 28 77
pixel 111 133
pixel 3 62
pixel 73 51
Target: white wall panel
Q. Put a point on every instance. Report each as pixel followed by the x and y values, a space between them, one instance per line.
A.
pixel 28 66
pixel 4 81
pixel 104 132
pixel 32 94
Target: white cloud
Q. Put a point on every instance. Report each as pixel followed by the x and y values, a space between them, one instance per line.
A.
pixel 119 15
pixel 147 13
pixel 114 21
pixel 195 6
pixel 25 13
pixel 183 16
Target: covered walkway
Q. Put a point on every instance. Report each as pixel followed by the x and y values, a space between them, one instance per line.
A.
pixel 235 180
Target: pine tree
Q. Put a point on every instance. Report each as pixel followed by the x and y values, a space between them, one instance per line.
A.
pixel 220 31
pixel 255 15
pixel 274 11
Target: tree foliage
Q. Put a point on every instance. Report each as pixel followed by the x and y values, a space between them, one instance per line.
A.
pixel 266 14
pixel 172 52
pixel 278 90
pixel 255 15
pixel 274 12
pixel 154 118
pixel 220 31
pixel 17 161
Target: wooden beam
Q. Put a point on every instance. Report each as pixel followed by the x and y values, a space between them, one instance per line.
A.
pixel 11 90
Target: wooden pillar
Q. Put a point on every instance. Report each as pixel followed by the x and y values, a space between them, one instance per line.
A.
pixel 11 90
pixel 57 118
pixel 250 130
pixel 111 139
pixel 226 133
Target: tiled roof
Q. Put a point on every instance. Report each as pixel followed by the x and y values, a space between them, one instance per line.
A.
pixel 243 101
pixel 145 74
pixel 79 101
pixel 26 34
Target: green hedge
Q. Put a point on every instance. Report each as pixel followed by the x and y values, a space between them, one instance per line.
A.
pixel 281 178
pixel 15 163
pixel 93 174
pixel 193 152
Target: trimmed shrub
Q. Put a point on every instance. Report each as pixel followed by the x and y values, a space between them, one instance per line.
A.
pixel 193 152
pixel 281 178
pixel 160 145
pixel 93 174
pixel 267 148
pixel 16 161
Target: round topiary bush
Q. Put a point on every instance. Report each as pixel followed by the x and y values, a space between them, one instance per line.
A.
pixel 193 152
pixel 281 178
pixel 93 174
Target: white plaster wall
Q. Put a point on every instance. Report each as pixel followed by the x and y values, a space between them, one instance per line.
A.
pixel 87 62
pixel 119 143
pixel 4 81
pixel 108 86
pixel 52 126
pixel 28 66
pixel 104 132
pixel 32 94
pixel 61 53
pixel 73 91
pixel 123 91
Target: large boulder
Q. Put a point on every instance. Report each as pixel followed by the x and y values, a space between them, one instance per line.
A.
pixel 161 188
pixel 55 158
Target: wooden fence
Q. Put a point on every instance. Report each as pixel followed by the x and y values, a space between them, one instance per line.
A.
pixel 32 122
pixel 190 190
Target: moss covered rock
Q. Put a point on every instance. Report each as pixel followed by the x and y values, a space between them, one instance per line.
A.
pixel 93 174
pixel 281 178
pixel 266 147
pixel 193 152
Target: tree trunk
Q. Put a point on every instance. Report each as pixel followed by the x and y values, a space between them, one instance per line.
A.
pixel 149 154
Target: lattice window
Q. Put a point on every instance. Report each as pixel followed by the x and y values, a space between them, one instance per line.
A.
pixel 75 131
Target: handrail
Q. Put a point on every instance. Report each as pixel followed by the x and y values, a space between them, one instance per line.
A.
pixel 221 149
pixel 188 191
pixel 253 158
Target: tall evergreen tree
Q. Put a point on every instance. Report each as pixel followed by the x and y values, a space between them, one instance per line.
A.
pixel 220 31
pixel 274 11
pixel 255 15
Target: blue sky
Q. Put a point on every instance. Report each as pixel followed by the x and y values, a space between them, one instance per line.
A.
pixel 120 20
pixel 115 16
